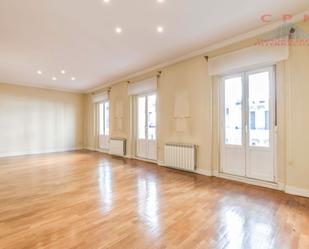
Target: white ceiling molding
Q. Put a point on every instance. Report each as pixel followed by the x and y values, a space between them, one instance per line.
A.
pixel 247 57
pixel 251 34
pixel 59 89
pixel 144 86
pixel 100 97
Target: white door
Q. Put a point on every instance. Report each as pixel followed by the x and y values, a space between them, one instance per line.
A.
pixel 233 148
pixel 247 124
pixel 103 119
pixel 146 140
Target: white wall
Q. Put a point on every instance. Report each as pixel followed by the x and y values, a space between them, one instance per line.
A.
pixel 35 120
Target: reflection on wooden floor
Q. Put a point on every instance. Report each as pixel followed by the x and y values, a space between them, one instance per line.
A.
pixel 88 200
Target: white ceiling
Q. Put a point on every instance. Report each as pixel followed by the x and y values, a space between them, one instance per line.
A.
pixel 79 35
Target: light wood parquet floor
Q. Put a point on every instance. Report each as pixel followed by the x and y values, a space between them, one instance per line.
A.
pixel 88 200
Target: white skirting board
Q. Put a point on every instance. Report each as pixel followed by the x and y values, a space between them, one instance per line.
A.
pixel 205 172
pixel 160 163
pixel 251 181
pixel 297 191
pixel 102 151
pixel 90 149
pixel 144 160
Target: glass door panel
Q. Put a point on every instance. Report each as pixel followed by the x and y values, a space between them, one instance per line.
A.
pixel 101 119
pixel 233 110
pixel 259 109
pixel 141 117
pixel 106 118
pixel 103 122
pixel 151 127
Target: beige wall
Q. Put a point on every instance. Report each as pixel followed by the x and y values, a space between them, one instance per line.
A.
pixel 298 118
pixel 120 120
pixel 189 76
pixel 293 102
pixel 34 120
pixel 89 124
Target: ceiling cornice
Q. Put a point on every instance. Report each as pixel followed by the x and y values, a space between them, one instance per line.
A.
pixel 251 34
pixel 59 89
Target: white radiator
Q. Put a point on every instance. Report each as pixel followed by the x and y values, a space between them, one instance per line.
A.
pixel 117 146
pixel 180 156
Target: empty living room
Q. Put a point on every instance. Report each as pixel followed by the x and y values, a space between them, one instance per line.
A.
pixel 154 124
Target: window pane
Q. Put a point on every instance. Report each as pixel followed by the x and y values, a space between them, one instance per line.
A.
pixel 141 112
pixel 233 111
pixel 259 105
pixel 101 117
pixel 106 118
pixel 152 99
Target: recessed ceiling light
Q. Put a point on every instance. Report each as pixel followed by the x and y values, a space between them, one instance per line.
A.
pixel 73 78
pixel 106 1
pixel 63 72
pixel 160 29
pixel 54 78
pixel 118 30
pixel 160 1
pixel 39 72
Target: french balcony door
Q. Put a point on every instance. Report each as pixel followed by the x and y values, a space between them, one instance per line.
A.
pixel 146 130
pixel 247 144
pixel 103 117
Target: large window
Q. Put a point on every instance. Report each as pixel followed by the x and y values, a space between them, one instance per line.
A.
pixel 104 118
